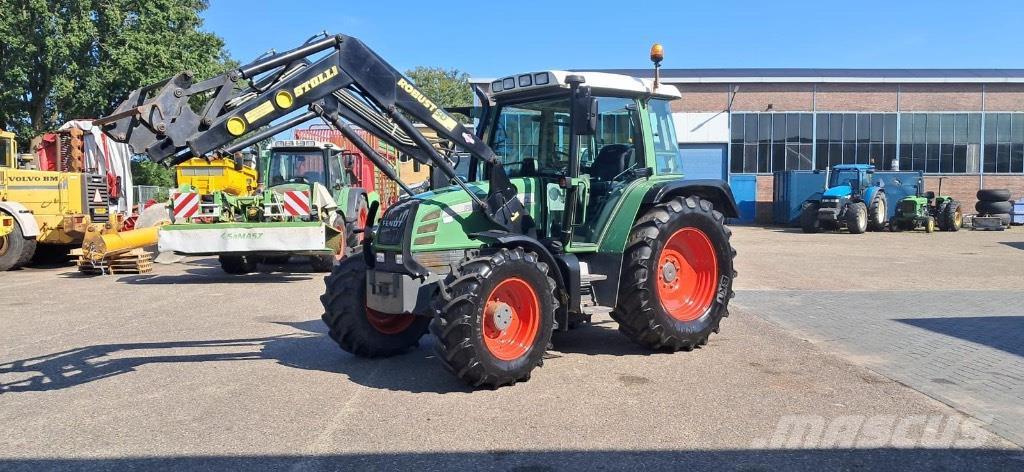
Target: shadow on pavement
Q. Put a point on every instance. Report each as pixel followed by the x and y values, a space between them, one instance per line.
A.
pixel 309 349
pixel 999 332
pixel 1014 244
pixel 888 459
pixel 213 275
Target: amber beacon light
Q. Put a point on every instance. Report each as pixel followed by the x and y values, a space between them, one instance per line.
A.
pixel 657 55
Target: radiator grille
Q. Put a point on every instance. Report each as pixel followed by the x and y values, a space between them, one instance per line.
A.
pixel 908 207
pixel 98 207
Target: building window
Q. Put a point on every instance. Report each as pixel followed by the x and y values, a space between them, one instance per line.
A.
pixel 1004 143
pixel 768 142
pixel 856 138
pixel 940 142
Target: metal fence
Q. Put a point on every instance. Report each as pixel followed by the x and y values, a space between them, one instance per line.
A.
pixel 144 193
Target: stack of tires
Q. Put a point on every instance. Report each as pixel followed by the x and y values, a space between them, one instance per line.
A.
pixel 995 203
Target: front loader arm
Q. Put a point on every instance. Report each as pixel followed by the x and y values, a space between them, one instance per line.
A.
pixel 160 119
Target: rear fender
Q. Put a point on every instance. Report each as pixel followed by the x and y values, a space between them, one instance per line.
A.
pixel 716 191
pixel 23 216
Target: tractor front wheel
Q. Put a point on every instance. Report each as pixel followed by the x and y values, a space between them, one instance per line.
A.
pixel 677 276
pixel 238 265
pixel 496 317
pixel 857 218
pixel 809 218
pixel 15 249
pixel 354 326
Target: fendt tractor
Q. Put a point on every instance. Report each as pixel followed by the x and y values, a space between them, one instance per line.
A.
pixel 583 209
pixel 305 205
pixel 46 207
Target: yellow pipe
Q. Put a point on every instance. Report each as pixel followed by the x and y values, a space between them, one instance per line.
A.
pixel 98 245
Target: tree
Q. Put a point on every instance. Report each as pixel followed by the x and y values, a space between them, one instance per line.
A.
pixel 146 172
pixel 446 87
pixel 68 59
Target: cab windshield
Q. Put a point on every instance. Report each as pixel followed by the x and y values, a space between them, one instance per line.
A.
pixel 533 137
pixel 845 177
pixel 297 167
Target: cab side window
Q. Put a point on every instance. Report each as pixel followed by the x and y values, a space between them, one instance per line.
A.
pixel 615 150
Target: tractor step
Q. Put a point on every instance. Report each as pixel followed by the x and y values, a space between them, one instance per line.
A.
pixel 588 278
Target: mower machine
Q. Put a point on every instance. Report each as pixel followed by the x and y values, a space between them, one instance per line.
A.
pixel 851 201
pixel 575 204
pixel 928 211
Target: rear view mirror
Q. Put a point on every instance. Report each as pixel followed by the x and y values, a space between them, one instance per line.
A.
pixel 584 113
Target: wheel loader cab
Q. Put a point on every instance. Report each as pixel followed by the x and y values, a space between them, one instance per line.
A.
pixel 7 149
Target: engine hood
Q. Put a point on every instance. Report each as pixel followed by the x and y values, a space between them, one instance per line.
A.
pixel 838 191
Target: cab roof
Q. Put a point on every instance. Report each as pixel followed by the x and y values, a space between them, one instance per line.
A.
pixel 853 167
pixel 598 81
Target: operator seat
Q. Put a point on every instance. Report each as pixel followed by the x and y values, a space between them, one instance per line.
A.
pixel 611 161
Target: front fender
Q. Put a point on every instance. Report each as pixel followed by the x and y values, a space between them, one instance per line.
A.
pixel 716 191
pixel 23 216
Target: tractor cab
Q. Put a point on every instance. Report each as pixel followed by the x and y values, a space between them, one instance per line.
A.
pixel 299 164
pixel 846 180
pixel 8 151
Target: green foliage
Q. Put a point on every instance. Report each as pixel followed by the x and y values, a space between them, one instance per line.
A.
pixel 146 172
pixel 446 87
pixel 68 59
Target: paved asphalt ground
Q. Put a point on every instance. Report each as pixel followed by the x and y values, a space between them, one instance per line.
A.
pixel 187 368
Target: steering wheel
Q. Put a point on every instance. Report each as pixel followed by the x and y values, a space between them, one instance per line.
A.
pixel 299 179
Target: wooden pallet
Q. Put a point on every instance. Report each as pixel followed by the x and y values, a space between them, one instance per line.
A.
pixel 137 261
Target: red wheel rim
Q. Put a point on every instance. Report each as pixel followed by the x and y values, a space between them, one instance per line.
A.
pixel 687 274
pixel 361 221
pixel 389 324
pixel 511 319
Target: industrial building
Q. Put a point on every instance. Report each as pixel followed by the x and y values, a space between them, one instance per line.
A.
pixel 965 126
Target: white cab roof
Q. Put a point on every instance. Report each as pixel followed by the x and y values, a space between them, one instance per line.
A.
pixel 598 81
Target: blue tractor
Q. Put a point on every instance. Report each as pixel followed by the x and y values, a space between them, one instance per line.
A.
pixel 851 200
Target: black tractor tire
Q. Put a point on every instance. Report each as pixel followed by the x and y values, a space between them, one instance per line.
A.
pixel 857 218
pixel 641 311
pixel 349 321
pixel 951 217
pixel 461 323
pixel 993 194
pixel 809 218
pixel 878 212
pixel 993 208
pixel 238 264
pixel 15 249
pixel 276 259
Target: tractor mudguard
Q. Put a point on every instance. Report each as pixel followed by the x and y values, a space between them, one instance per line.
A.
pixel 351 197
pixel 27 222
pixel 716 191
pixel 498 238
pixel 869 194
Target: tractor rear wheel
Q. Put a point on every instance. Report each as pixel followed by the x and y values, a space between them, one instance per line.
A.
pixel 355 327
pixel 952 217
pixel 677 276
pixel 238 265
pixel 496 317
pixel 857 218
pixel 809 218
pixel 15 249
pixel 878 212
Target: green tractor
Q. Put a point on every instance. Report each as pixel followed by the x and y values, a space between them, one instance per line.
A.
pixel 574 204
pixel 927 211
pixel 609 225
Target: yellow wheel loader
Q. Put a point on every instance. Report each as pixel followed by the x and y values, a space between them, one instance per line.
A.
pixel 40 208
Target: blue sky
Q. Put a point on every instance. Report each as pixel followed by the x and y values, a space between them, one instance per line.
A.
pixel 502 37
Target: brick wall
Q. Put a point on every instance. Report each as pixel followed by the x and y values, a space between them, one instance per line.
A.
pixel 856 97
pixel 702 98
pixel 782 97
pixel 765 196
pixel 940 97
pixel 961 187
pixel 1004 97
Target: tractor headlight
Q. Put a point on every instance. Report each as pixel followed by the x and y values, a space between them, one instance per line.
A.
pixel 380 257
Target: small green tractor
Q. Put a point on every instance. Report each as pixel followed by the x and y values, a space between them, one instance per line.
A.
pixel 927 211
